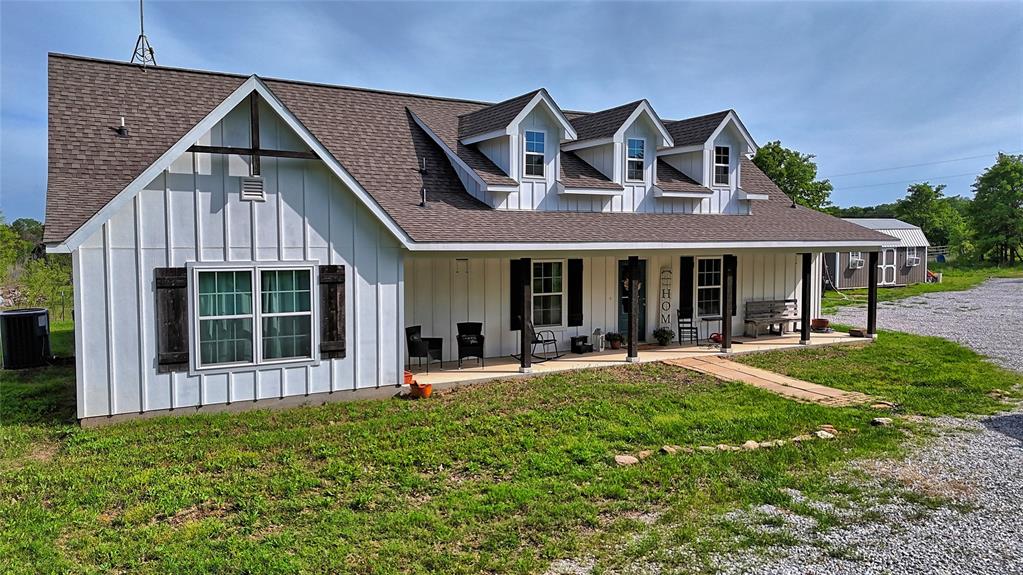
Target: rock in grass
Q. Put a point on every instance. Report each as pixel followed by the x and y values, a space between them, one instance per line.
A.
pixel 801 438
pixel 625 460
pixel 687 449
pixel 824 434
pixel 881 421
pixel 669 449
pixel 751 445
pixel 884 405
pixel 829 428
pixel 645 453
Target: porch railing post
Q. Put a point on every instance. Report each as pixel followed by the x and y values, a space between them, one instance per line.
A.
pixel 804 321
pixel 633 354
pixel 525 345
pixel 728 283
pixel 872 294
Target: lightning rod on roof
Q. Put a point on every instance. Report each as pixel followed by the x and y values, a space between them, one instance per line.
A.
pixel 144 54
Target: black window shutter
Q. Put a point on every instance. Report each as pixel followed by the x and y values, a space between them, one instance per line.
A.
pixel 171 319
pixel 685 282
pixel 332 311
pixel 516 277
pixel 575 292
pixel 732 262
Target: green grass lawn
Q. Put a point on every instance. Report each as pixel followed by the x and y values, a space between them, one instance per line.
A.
pixel 953 279
pixel 498 478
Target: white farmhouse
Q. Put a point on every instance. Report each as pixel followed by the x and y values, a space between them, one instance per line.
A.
pixel 243 240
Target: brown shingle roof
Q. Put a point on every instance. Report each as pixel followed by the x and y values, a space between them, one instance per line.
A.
pixel 576 173
pixel 671 180
pixel 88 163
pixel 88 166
pixel 692 131
pixel 494 117
pixel 603 124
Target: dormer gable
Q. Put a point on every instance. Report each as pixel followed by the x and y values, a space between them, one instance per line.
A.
pixel 609 126
pixel 503 118
pixel 709 148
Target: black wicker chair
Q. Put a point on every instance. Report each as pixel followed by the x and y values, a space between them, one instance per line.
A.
pixel 687 327
pixel 470 342
pixel 432 348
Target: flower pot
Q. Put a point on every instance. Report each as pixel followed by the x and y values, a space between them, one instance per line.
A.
pixel 819 323
pixel 420 390
pixel 408 377
pixel 616 344
pixel 663 342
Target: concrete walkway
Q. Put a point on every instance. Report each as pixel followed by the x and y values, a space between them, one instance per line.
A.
pixel 789 387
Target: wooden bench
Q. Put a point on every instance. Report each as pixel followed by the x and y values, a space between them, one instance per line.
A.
pixel 771 312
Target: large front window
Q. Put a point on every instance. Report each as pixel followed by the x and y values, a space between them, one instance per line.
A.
pixel 548 293
pixel 708 287
pixel 721 165
pixel 636 155
pixel 236 328
pixel 535 147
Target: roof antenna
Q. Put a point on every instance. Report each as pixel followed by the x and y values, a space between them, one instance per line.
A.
pixel 144 54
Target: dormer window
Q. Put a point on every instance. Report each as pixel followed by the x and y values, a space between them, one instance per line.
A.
pixel 721 165
pixel 534 154
pixel 634 162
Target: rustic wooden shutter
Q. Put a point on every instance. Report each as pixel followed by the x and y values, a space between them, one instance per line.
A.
pixel 685 282
pixel 517 275
pixel 171 319
pixel 575 292
pixel 332 311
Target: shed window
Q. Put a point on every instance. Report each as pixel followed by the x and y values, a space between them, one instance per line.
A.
pixel 535 148
pixel 911 252
pixel 548 293
pixel 636 156
pixel 721 165
pixel 235 329
pixel 708 287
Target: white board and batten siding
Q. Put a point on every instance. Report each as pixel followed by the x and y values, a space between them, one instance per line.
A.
pixel 193 212
pixel 443 290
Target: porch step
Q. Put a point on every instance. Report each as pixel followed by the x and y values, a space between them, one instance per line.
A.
pixel 789 387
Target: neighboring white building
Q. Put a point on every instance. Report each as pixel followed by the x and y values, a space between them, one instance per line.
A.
pixel 248 240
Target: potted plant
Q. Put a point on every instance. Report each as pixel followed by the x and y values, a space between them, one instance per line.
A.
pixel 614 339
pixel 664 335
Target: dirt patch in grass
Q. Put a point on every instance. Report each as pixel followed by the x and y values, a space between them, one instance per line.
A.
pixel 195 513
pixel 923 481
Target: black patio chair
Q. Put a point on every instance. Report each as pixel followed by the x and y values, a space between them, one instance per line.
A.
pixel 687 326
pixel 432 348
pixel 470 342
pixel 546 339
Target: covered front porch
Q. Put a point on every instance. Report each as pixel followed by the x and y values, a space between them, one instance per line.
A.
pixel 507 366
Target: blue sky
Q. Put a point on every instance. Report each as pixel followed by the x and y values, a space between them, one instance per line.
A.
pixel 864 86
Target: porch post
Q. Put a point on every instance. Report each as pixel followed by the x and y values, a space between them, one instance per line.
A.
pixel 633 354
pixel 728 281
pixel 804 322
pixel 525 345
pixel 872 294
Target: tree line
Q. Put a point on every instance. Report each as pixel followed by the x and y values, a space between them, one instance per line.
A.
pixel 28 275
pixel 987 227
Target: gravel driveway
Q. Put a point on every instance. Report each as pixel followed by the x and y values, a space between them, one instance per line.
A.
pixel 987 318
pixel 976 463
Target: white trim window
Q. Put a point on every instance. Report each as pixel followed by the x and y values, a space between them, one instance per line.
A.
pixel 911 252
pixel 708 286
pixel 548 293
pixel 855 256
pixel 234 328
pixel 635 158
pixel 722 165
pixel 535 149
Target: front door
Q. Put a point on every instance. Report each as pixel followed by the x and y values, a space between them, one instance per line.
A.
pixel 623 299
pixel 887 265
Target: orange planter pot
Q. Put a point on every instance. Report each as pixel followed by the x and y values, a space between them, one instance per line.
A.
pixel 421 390
pixel 408 377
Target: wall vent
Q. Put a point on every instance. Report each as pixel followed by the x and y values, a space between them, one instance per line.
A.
pixel 252 189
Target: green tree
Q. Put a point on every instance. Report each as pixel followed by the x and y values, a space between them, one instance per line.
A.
pixel 795 174
pixel 46 281
pixel 12 249
pixel 997 209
